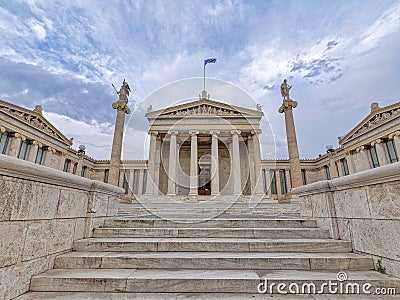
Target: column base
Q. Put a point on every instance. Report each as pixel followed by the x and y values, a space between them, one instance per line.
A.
pixel 169 194
pixel 215 194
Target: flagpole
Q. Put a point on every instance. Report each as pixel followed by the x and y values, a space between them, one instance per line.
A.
pixel 204 77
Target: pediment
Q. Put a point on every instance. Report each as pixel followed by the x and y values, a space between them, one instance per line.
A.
pixel 33 119
pixel 204 107
pixel 374 119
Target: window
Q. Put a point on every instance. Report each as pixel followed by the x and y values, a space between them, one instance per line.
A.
pixel 83 171
pixel 282 177
pixel 374 157
pixel 106 173
pixel 3 142
pixel 337 168
pixel 74 169
pixel 136 174
pixel 22 150
pixel 39 156
pixel 304 176
pixel 272 177
pixel 67 163
pixel 125 184
pixel 144 181
pixel 345 166
pixel 392 152
pixel 327 173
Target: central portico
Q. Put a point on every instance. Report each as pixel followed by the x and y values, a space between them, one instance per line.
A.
pixel 205 148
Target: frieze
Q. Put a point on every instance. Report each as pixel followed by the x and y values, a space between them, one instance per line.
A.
pixel 30 119
pixel 203 110
pixel 377 120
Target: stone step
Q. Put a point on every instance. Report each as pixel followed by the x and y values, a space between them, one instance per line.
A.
pixel 214 260
pixel 236 222
pixel 191 281
pixel 211 245
pixel 186 296
pixel 269 233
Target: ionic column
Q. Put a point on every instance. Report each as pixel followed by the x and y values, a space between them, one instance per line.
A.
pixel 237 180
pixel 258 188
pixel 288 181
pixel 396 139
pixel 278 184
pixel 33 149
pixel 214 163
pixel 48 157
pixel 350 162
pixel 151 185
pixel 340 168
pixel 15 144
pixel 380 151
pixel 172 164
pixel 363 159
pixel 193 164
pixel 141 179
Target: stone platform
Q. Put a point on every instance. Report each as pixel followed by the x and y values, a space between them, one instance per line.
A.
pixel 226 257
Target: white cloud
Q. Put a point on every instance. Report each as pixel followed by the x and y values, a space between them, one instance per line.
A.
pixel 38 29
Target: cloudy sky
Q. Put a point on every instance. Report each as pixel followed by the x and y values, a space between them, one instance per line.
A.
pixel 339 56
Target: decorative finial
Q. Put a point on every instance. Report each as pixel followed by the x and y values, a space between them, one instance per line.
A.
pixel 259 107
pixel 38 109
pixel 149 108
pixel 375 106
pixel 285 88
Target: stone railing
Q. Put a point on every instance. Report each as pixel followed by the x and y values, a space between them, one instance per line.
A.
pixel 42 212
pixel 363 208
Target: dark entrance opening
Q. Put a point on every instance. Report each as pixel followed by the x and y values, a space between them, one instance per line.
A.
pixel 205 180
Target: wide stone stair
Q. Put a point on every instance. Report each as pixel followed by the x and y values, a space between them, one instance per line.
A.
pixel 226 257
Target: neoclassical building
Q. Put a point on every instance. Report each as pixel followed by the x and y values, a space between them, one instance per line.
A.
pixel 203 148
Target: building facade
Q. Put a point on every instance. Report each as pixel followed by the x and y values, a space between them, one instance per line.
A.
pixel 223 138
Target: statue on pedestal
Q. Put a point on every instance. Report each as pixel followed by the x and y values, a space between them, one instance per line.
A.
pixel 124 91
pixel 285 88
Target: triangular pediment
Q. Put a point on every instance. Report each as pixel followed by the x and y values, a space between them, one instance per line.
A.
pixel 203 107
pixel 375 118
pixel 33 119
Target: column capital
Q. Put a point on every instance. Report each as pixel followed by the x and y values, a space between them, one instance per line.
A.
pixel 51 149
pixel 287 105
pixel 153 132
pixel 235 132
pixel 378 141
pixel 194 132
pixel 393 134
pixel 215 132
pixel 256 131
pixel 19 136
pixel 359 149
pixel 36 143
pixel 2 129
pixel 121 105
pixel 173 132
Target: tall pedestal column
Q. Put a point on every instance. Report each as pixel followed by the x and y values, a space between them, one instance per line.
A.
pixel 258 188
pixel 214 163
pixel 193 164
pixel 172 164
pixel 295 170
pixel 122 108
pixel 380 151
pixel 151 187
pixel 237 180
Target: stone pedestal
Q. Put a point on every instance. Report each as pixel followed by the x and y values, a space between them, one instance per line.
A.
pixel 293 151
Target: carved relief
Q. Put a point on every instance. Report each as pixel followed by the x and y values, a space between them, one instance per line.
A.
pixel 377 120
pixel 203 110
pixel 30 119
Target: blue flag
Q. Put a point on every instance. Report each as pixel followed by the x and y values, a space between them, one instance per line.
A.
pixel 210 60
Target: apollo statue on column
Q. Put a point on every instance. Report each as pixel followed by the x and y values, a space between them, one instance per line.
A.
pixel 285 88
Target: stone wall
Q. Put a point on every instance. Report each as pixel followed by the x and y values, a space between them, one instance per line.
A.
pixel 42 212
pixel 363 208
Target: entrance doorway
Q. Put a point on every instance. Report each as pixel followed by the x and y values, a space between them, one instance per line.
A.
pixel 205 180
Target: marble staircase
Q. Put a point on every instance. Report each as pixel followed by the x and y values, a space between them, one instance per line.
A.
pixel 143 256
